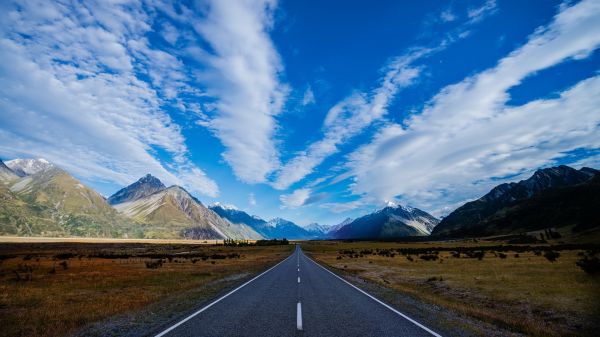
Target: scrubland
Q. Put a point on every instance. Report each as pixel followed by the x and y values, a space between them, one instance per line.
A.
pixel 64 288
pixel 531 289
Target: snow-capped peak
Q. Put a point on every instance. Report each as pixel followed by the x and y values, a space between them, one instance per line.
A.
pixel 393 204
pixel 29 166
pixel 228 207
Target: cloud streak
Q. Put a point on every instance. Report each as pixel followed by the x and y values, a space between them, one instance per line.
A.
pixel 74 92
pixel 243 76
pixel 468 132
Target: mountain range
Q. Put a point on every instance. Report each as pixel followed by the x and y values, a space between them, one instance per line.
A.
pixel 551 197
pixel 392 221
pixel 44 200
pixel 40 199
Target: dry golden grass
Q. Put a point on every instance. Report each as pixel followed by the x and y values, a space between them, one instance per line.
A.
pixel 528 293
pixel 58 301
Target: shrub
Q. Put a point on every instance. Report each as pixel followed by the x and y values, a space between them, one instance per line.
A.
pixel 24 272
pixel 64 256
pixel 551 255
pixel 64 265
pixel 428 257
pixel 154 264
pixel 502 255
pixel 589 264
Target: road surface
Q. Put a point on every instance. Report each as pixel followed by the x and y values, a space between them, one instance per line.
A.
pixel 297 297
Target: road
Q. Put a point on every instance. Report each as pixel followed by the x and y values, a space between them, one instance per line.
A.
pixel 297 297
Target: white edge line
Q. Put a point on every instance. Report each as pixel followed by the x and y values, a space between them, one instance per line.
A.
pixel 299 316
pixel 218 300
pixel 378 301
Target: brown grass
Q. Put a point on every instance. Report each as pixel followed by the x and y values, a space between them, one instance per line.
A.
pixel 39 297
pixel 527 294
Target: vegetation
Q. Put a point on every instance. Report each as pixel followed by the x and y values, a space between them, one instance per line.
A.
pixel 535 289
pixel 64 288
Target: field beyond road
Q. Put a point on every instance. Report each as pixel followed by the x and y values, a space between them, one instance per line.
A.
pixel 536 290
pixel 124 288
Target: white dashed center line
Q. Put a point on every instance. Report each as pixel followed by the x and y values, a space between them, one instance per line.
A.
pixel 299 317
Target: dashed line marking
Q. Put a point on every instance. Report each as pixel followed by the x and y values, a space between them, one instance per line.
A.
pixel 299 316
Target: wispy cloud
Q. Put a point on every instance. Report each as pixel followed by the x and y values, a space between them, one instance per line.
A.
pixel 349 117
pixel 309 96
pixel 243 75
pixel 477 14
pixel 251 199
pixel 467 132
pixel 82 87
pixel 295 199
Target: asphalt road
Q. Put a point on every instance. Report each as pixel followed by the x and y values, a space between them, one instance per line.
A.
pixel 297 297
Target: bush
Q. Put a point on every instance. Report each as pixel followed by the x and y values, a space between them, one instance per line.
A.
pixel 64 265
pixel 24 272
pixel 551 255
pixel 64 256
pixel 428 257
pixel 589 264
pixel 502 255
pixel 154 264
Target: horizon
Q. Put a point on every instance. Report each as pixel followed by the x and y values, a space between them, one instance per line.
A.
pixel 313 117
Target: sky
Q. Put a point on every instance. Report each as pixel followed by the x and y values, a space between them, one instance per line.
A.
pixel 313 111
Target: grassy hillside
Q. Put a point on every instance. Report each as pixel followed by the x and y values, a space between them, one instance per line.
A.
pixel 53 203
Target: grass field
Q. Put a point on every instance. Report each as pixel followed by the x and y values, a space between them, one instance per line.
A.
pixel 60 288
pixel 515 287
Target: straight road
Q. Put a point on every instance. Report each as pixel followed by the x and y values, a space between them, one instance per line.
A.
pixel 297 297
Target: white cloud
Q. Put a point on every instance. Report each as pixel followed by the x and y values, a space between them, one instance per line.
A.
pixel 358 111
pixel 243 74
pixel 309 96
pixel 72 93
pixel 467 132
pixel 348 118
pixel 252 199
pixel 296 199
pixel 448 15
pixel 477 14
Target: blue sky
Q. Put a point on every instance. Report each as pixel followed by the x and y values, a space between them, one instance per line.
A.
pixel 308 110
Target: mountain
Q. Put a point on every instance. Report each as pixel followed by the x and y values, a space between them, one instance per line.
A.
pixel 470 218
pixel 144 187
pixel 29 166
pixel 50 202
pixel 237 216
pixel 172 213
pixel 279 228
pixel 274 229
pixel 392 221
pixel 577 206
pixel 6 174
pixel 317 231
pixel 335 228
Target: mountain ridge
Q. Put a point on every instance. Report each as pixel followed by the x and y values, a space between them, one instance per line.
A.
pixel 505 195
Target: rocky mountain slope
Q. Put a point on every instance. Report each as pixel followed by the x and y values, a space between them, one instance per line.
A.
pixel 494 212
pixel 6 174
pixel 390 222
pixel 173 213
pixel 144 187
pixel 30 166
pixel 274 229
pixel 48 201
